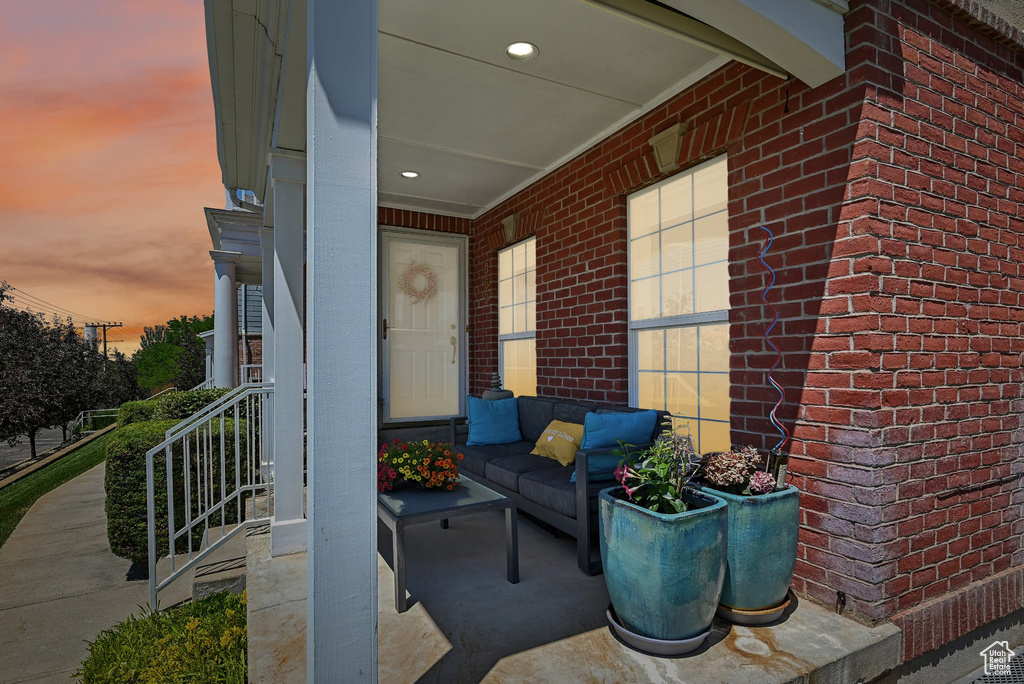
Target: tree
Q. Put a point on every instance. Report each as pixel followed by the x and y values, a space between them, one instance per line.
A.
pixel 24 374
pixel 173 355
pixel 74 367
pixel 155 365
pixel 117 382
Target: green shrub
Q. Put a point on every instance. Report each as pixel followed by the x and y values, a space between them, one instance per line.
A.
pixel 204 641
pixel 125 485
pixel 181 405
pixel 135 412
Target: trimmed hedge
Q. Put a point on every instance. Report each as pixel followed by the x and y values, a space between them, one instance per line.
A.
pixel 175 406
pixel 125 485
pixel 135 412
pixel 202 641
pixel 181 405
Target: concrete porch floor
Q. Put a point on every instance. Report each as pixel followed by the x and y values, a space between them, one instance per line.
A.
pixel 466 623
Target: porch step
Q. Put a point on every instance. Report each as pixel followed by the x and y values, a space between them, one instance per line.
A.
pixel 213 578
pixel 434 432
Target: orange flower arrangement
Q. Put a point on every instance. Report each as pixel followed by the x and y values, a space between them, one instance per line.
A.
pixel 424 464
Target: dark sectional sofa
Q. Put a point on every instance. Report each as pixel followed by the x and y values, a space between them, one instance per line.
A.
pixel 541 486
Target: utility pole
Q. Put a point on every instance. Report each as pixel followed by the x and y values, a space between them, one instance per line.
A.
pixel 105 326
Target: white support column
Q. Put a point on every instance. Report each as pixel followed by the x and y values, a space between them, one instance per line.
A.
pixel 288 523
pixel 267 265
pixel 341 148
pixel 225 319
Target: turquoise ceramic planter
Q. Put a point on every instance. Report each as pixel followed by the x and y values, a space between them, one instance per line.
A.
pixel 664 572
pixel 761 551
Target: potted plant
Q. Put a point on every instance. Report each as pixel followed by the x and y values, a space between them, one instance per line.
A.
pixel 663 549
pixel 421 464
pixel 764 519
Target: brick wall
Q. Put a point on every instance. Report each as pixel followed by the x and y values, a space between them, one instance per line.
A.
pixel 893 193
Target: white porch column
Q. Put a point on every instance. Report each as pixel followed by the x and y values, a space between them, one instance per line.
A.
pixel 341 147
pixel 267 279
pixel 225 319
pixel 288 523
pixel 267 265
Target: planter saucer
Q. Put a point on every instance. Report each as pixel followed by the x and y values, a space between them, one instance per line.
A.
pixel 658 647
pixel 753 617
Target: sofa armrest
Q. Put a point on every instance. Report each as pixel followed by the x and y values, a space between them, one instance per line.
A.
pixel 457 427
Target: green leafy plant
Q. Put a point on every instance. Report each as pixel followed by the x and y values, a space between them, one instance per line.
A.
pixel 181 405
pixel 202 641
pixel 136 412
pixel 660 474
pixel 125 485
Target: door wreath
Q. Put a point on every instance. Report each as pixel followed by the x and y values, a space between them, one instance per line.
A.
pixel 407 282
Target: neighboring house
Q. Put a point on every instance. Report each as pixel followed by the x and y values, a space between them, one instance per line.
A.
pixel 588 223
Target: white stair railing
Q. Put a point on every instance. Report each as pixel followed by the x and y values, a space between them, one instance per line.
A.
pixel 215 482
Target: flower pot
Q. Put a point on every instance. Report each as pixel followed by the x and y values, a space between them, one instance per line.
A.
pixel 761 551
pixel 664 572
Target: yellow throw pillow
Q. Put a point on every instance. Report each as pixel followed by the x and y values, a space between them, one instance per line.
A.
pixel 560 442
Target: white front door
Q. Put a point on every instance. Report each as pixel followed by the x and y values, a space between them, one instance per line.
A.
pixel 423 327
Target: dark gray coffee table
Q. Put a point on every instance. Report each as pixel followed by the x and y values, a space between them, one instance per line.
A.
pixel 399 508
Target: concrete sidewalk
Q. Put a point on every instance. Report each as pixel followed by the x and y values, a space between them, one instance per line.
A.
pixel 60 585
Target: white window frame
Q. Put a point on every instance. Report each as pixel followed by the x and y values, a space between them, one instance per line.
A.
pixel 694 320
pixel 508 337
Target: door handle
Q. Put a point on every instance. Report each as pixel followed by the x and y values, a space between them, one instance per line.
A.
pixel 452 341
pixel 385 328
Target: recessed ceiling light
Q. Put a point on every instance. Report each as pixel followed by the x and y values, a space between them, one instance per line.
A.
pixel 522 51
pixel 410 174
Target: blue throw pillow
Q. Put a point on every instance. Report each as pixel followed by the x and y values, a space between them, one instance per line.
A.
pixel 608 429
pixel 600 468
pixel 493 421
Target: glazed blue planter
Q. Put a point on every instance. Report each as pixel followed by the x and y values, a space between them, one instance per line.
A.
pixel 761 551
pixel 664 572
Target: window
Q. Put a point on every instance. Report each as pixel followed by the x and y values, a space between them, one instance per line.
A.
pixel 517 317
pixel 679 301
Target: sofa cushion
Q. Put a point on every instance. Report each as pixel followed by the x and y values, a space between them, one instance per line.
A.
pixel 534 416
pixel 475 458
pixel 610 429
pixel 551 488
pixel 493 421
pixel 572 411
pixel 506 470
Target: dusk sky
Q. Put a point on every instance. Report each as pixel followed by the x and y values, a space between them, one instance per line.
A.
pixel 108 157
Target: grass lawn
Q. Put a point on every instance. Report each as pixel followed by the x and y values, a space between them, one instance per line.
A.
pixel 16 499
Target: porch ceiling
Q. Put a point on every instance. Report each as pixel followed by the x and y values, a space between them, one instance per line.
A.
pixel 452 106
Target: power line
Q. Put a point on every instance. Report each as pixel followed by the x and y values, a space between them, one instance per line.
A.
pixel 32 307
pixel 54 306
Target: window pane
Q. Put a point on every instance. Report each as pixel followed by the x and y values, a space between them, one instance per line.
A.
pixel 504 320
pixel 714 396
pixel 681 349
pixel 531 286
pixel 504 292
pixel 713 437
pixel 713 293
pixel 677 293
pixel 650 350
pixel 714 347
pixel 683 398
pixel 711 238
pixel 677 248
pixel 711 188
pixel 651 392
pixel 519 318
pixel 531 316
pixel 677 201
pixel 531 254
pixel 519 288
pixel 519 259
pixel 643 257
pixel 645 299
pixel 643 212
pixel 519 368
pixel 505 264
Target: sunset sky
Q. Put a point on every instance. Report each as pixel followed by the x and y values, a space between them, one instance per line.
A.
pixel 108 157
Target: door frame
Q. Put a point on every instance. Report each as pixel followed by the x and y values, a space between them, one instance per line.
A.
pixel 385 234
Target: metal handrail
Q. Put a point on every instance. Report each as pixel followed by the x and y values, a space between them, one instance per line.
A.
pixel 214 479
pixel 163 391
